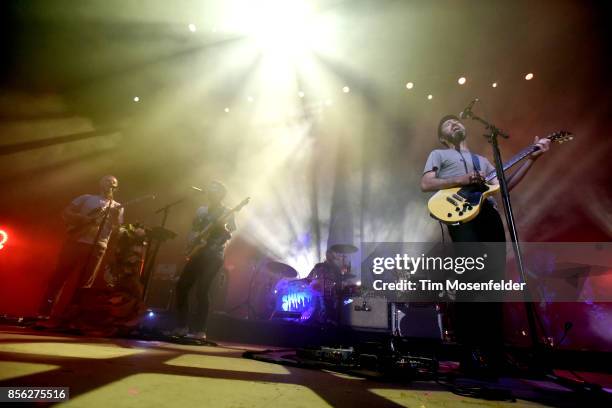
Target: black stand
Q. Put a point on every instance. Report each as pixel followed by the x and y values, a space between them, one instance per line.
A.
pixel 150 261
pixel 538 347
pixel 106 211
pixel 492 135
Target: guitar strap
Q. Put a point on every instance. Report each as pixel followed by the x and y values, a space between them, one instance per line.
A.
pixel 475 162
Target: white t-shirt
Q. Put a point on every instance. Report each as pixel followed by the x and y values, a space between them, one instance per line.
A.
pixel 89 204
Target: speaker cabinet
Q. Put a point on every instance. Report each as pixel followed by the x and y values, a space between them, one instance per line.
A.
pixel 365 313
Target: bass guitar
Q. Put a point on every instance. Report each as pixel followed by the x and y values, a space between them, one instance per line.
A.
pixel 201 239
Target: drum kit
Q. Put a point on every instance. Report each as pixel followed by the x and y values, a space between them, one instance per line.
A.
pixel 316 298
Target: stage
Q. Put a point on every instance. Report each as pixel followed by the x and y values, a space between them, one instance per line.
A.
pixel 133 373
pixel 359 204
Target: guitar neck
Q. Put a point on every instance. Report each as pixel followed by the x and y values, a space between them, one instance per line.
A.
pixel 216 221
pixel 515 159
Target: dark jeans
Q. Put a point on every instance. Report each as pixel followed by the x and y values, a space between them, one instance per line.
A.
pixel 480 324
pixel 198 275
pixel 77 266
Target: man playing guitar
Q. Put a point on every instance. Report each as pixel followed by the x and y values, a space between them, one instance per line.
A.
pixel 204 261
pixel 478 326
pixel 91 219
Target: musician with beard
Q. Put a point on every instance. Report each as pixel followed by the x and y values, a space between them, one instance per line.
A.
pixel 478 326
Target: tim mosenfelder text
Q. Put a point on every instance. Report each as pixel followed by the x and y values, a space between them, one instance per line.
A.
pixel 404 263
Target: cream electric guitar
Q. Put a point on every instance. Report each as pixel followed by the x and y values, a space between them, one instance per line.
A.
pixel 458 205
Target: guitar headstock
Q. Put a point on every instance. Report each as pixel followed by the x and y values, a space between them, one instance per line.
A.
pixel 560 137
pixel 242 204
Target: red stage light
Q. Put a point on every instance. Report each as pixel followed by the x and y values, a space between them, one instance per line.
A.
pixel 3 238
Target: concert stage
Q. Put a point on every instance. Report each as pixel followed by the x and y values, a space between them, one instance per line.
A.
pixel 122 373
pixel 361 203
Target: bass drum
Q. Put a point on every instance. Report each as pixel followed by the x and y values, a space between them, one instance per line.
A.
pixel 297 300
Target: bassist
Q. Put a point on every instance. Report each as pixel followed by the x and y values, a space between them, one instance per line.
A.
pixel 204 262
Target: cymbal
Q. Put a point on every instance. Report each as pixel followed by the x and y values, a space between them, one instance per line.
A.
pixel 282 269
pixel 343 248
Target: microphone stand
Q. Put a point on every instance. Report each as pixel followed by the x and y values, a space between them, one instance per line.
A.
pixel 150 261
pixel 90 255
pixel 589 389
pixel 492 136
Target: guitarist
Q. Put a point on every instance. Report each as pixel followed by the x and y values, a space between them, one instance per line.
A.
pixel 91 219
pixel 203 265
pixel 478 326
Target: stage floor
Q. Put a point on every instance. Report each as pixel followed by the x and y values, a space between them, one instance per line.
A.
pixel 114 373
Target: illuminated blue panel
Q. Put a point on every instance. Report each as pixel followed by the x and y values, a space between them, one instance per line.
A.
pixel 296 301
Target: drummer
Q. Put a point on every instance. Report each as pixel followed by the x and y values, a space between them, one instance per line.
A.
pixel 330 269
pixel 326 278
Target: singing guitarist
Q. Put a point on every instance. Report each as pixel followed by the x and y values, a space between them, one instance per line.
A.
pixel 204 262
pixel 91 219
pixel 477 325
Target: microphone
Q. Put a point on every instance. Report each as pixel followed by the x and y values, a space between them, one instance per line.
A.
pixel 197 189
pixel 467 112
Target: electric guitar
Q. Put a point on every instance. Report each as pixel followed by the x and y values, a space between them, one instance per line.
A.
pixel 201 239
pixel 458 205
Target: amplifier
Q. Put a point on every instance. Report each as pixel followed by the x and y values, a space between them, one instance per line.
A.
pixel 418 320
pixel 365 313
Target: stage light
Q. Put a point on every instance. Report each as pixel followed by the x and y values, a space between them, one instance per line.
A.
pixel 3 238
pixel 136 99
pixel 529 76
pixel 192 27
pixel 346 89
pixel 301 94
pixel 226 110
pixel 249 99
pixel 410 85
pixel 494 84
pixel 430 97
pixel 151 313
pixel 328 102
pixel 279 26
pixel 461 81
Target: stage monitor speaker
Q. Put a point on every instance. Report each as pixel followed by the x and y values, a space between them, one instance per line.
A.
pixel 417 320
pixel 365 313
